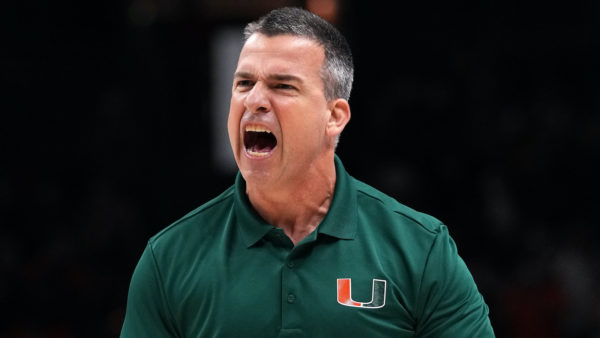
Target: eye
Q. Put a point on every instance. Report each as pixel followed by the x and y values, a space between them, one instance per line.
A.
pixel 242 84
pixel 284 86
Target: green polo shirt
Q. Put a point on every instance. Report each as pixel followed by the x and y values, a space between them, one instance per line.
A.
pixel 372 268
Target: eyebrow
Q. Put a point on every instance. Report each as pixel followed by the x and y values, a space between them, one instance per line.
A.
pixel 275 77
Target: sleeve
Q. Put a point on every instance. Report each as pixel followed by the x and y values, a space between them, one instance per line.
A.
pixel 147 313
pixel 449 304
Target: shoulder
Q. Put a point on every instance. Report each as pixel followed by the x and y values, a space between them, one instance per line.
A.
pixel 197 222
pixel 373 200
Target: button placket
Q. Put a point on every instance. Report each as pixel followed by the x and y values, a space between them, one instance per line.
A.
pixel 290 318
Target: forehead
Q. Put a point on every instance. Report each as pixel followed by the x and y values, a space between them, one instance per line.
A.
pixel 281 54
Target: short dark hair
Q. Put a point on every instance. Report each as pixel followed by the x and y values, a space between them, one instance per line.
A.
pixel 337 71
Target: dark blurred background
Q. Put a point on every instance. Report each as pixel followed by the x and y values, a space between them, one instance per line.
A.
pixel 485 114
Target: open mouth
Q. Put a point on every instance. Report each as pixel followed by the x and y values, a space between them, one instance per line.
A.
pixel 259 141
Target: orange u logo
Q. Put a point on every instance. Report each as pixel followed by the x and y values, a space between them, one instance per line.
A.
pixel 344 294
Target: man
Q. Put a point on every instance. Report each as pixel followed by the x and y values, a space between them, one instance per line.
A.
pixel 297 247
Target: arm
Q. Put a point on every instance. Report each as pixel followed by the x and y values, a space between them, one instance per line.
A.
pixel 449 304
pixel 148 313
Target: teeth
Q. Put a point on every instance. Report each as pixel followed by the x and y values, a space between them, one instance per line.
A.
pixel 258 129
pixel 256 153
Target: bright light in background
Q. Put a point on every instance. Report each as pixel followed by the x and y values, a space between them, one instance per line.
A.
pixel 327 9
pixel 226 45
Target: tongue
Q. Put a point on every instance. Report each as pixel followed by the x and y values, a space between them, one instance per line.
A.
pixel 261 147
pixel 259 142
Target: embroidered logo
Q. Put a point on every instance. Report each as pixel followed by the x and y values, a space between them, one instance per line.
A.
pixel 344 294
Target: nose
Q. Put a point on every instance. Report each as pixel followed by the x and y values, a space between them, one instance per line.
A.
pixel 257 100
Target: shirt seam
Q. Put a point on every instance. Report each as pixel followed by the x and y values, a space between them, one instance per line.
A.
pixel 399 212
pixel 162 290
pixel 421 307
pixel 415 221
pixel 193 213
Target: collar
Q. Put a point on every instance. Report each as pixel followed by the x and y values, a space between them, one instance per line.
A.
pixel 340 221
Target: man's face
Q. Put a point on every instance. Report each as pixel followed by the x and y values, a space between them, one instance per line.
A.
pixel 278 113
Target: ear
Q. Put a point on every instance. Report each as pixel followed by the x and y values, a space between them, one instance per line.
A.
pixel 339 117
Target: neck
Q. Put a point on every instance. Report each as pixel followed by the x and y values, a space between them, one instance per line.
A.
pixel 297 207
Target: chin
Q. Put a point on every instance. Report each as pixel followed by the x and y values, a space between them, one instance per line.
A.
pixel 256 175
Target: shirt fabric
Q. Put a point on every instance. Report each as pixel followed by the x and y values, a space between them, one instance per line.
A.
pixel 372 268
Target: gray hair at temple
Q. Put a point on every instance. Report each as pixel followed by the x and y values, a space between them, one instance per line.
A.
pixel 337 71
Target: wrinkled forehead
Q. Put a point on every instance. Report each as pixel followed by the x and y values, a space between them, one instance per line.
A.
pixel 281 53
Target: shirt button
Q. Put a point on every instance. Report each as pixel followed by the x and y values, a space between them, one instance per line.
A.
pixel 291 298
pixel 290 264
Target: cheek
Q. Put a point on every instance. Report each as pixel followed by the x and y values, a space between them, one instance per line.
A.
pixel 231 130
pixel 304 132
pixel 233 122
